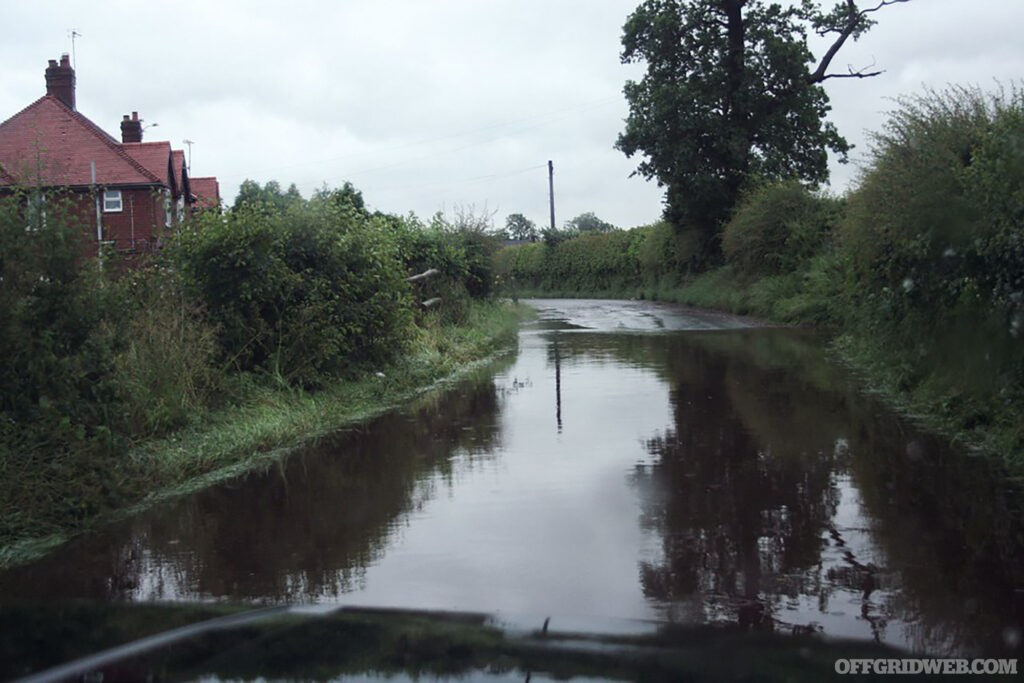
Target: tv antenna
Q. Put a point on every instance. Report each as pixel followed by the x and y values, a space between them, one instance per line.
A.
pixel 72 34
pixel 189 143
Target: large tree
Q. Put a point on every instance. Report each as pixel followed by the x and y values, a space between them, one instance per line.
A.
pixel 519 227
pixel 732 94
pixel 269 196
pixel 589 222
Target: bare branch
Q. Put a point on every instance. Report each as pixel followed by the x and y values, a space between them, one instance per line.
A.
pixel 881 5
pixel 854 15
pixel 853 74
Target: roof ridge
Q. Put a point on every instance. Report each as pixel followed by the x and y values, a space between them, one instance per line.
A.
pixel 22 111
pixel 108 140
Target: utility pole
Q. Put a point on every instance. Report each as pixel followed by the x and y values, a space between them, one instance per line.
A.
pixel 551 191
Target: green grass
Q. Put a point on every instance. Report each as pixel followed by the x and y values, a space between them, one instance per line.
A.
pixel 989 426
pixel 264 425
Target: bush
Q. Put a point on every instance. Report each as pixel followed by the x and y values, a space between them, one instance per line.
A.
pixel 666 253
pixel 777 228
pixel 461 250
pixel 934 238
pixel 936 224
pixel 167 371
pixel 304 294
pixel 63 324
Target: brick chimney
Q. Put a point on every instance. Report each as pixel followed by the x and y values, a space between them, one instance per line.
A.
pixel 60 80
pixel 131 128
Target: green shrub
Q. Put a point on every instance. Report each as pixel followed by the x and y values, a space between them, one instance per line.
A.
pixel 777 228
pixel 302 295
pixel 666 253
pixel 463 251
pixel 63 324
pixel 934 238
pixel 167 371
pixel 936 224
pixel 477 243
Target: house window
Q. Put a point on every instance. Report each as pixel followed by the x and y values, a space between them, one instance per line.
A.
pixel 35 213
pixel 112 201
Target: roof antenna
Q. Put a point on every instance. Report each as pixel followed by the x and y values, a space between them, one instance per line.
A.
pixel 189 143
pixel 72 34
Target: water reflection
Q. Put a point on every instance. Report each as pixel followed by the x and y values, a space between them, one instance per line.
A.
pixel 787 500
pixel 305 529
pixel 703 476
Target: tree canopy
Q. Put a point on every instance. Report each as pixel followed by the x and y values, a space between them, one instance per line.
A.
pixel 270 196
pixel 519 227
pixel 588 222
pixel 732 94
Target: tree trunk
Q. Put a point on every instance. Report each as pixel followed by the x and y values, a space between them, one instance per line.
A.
pixel 736 113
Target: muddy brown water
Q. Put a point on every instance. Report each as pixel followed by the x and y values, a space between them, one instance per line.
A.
pixel 630 460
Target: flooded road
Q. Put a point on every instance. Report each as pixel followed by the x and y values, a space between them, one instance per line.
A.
pixel 631 460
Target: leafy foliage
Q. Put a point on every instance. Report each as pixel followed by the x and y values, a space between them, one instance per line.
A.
pixel 588 262
pixel 519 227
pixel 345 196
pixel 296 291
pixel 777 228
pixel 935 240
pixel 269 196
pixel 588 222
pixel 301 295
pixel 167 369
pixel 63 325
pixel 60 407
pixel 666 253
pixel 727 100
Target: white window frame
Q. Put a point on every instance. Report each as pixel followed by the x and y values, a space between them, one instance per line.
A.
pixel 168 216
pixel 35 211
pixel 109 197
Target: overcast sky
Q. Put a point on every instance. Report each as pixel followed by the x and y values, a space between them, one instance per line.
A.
pixel 426 105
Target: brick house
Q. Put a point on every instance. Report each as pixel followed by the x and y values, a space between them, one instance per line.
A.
pixel 128 191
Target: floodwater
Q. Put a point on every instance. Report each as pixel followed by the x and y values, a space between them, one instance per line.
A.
pixel 630 461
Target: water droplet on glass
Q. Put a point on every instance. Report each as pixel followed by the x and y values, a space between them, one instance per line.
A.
pixel 915 451
pixel 1012 636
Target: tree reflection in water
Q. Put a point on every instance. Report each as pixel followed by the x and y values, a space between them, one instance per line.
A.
pixel 786 499
pixel 305 530
pixel 741 518
pixel 772 494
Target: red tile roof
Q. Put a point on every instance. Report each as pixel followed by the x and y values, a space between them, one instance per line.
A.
pixel 51 144
pixel 206 191
pixel 154 157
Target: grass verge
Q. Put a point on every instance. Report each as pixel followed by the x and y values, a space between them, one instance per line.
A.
pixel 263 426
